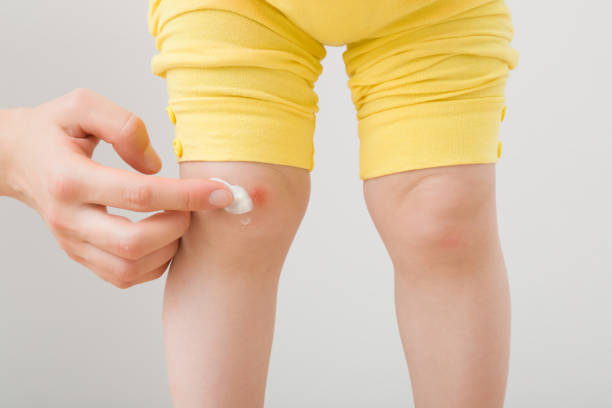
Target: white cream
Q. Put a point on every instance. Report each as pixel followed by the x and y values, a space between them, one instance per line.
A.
pixel 242 202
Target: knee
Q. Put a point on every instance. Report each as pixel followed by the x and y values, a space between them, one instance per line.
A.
pixel 259 238
pixel 444 215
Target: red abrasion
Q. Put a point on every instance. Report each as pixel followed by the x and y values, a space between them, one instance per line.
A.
pixel 453 240
pixel 258 195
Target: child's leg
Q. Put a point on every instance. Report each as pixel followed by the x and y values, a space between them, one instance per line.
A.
pixel 452 299
pixel 219 304
pixel 240 81
pixel 430 93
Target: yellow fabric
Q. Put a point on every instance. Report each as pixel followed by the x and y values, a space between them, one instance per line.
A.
pixel 427 78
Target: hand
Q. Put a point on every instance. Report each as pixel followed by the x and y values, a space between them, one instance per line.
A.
pixel 45 161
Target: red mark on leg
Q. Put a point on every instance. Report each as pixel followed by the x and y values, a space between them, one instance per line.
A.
pixel 258 195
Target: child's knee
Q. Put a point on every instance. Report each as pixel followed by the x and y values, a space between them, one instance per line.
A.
pixel 444 214
pixel 257 238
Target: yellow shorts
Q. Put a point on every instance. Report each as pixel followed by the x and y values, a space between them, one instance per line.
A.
pixel 427 78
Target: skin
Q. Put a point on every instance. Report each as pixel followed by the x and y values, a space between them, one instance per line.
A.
pixel 45 162
pixel 452 298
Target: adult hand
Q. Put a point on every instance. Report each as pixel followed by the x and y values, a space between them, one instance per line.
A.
pixel 45 161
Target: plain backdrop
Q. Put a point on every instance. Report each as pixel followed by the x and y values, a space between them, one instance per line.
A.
pixel 68 339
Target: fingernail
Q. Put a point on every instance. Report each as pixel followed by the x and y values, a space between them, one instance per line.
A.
pixel 220 198
pixel 151 158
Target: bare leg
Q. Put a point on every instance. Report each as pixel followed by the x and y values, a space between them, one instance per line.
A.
pixel 220 298
pixel 451 290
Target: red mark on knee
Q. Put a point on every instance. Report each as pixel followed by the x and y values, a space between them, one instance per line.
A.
pixel 454 239
pixel 258 195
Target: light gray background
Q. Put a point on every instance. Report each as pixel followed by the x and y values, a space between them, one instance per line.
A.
pixel 68 339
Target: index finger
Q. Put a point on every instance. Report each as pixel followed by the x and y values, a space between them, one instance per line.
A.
pixel 132 191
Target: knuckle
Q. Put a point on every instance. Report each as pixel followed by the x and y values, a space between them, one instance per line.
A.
pixel 139 197
pixel 55 218
pixel 79 96
pixel 130 247
pixel 61 186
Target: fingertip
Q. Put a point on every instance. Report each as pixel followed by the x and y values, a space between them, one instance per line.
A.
pixel 220 198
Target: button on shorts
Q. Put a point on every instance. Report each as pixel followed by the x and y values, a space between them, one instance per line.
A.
pixel 427 78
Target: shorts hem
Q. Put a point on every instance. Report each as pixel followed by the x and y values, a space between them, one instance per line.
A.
pixel 434 140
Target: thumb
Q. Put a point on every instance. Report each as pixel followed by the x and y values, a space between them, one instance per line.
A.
pixel 84 112
pixel 134 146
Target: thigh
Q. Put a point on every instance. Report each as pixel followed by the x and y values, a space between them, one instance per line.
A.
pixel 429 87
